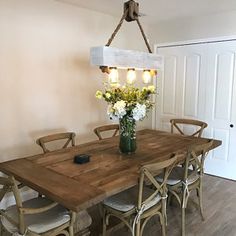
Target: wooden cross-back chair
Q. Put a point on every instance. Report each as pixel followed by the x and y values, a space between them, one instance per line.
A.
pixel 135 206
pixel 105 128
pixel 68 136
pixel 34 217
pixel 183 180
pixel 200 124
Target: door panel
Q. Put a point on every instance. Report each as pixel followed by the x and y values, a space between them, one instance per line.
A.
pixel 169 86
pixel 191 84
pixel 224 65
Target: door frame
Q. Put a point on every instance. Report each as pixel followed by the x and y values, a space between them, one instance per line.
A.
pixel 185 43
pixel 194 41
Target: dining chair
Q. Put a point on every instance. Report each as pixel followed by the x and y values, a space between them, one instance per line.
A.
pixel 135 206
pixel 34 217
pixel 200 125
pixel 69 137
pixel 83 219
pixel 106 128
pixel 183 180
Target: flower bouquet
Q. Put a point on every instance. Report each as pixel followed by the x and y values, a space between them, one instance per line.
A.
pixel 127 104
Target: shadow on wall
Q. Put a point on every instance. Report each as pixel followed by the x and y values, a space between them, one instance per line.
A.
pixel 31 149
pixel 20 151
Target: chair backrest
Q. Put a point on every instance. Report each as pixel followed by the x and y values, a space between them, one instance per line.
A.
pixel 199 124
pixel 69 138
pixel 196 156
pixel 8 184
pixel 5 186
pixel 147 175
pixel 105 128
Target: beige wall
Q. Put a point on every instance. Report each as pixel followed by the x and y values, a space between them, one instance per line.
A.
pixel 46 82
pixel 215 25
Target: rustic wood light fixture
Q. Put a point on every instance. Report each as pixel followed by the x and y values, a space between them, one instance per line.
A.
pixel 109 59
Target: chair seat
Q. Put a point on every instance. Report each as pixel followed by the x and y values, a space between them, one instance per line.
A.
pixel 127 200
pixel 176 176
pixel 37 223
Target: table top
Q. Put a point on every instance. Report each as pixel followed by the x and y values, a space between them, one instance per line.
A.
pixel 77 186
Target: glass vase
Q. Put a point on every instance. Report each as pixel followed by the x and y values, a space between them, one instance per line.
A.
pixel 127 135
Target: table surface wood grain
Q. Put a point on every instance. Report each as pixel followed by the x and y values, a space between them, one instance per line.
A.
pixel 108 172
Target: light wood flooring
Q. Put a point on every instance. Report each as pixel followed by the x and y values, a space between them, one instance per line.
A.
pixel 219 209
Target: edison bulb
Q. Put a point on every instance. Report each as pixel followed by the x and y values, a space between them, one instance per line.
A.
pixel 147 76
pixel 131 76
pixel 153 73
pixel 113 76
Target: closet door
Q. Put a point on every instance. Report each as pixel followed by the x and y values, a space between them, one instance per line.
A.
pixel 221 108
pixel 198 82
pixel 182 85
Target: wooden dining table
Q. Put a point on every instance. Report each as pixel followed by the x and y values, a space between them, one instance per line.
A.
pixel 80 186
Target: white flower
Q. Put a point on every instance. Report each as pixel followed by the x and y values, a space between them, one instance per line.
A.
pixel 111 112
pixel 99 94
pixel 108 95
pixel 151 88
pixel 139 112
pixel 119 108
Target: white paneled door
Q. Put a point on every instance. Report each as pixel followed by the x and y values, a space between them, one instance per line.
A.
pixel 198 82
pixel 221 107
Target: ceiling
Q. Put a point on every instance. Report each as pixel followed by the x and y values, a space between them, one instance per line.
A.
pixel 159 10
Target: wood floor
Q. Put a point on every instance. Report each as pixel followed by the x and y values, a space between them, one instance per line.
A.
pixel 220 214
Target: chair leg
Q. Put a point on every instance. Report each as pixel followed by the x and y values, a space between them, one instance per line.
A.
pixel 163 215
pixel 170 199
pixel 137 229
pixel 183 222
pixel 199 190
pixel 104 223
pixel 71 230
pixel 163 225
pixel 1 229
pixel 71 227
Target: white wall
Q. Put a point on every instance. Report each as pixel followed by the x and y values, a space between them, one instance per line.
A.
pixel 46 82
pixel 216 25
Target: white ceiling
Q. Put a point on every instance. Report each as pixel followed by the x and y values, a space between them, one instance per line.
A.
pixel 159 10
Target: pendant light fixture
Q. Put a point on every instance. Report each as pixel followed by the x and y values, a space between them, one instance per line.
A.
pixel 111 59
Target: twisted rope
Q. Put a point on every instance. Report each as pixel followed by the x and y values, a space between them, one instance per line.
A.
pixel 119 26
pixel 144 36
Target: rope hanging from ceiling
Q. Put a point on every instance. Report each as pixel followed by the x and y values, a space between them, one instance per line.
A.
pixel 131 13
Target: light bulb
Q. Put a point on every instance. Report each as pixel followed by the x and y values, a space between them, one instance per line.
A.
pixel 113 75
pixel 147 76
pixel 153 73
pixel 131 76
